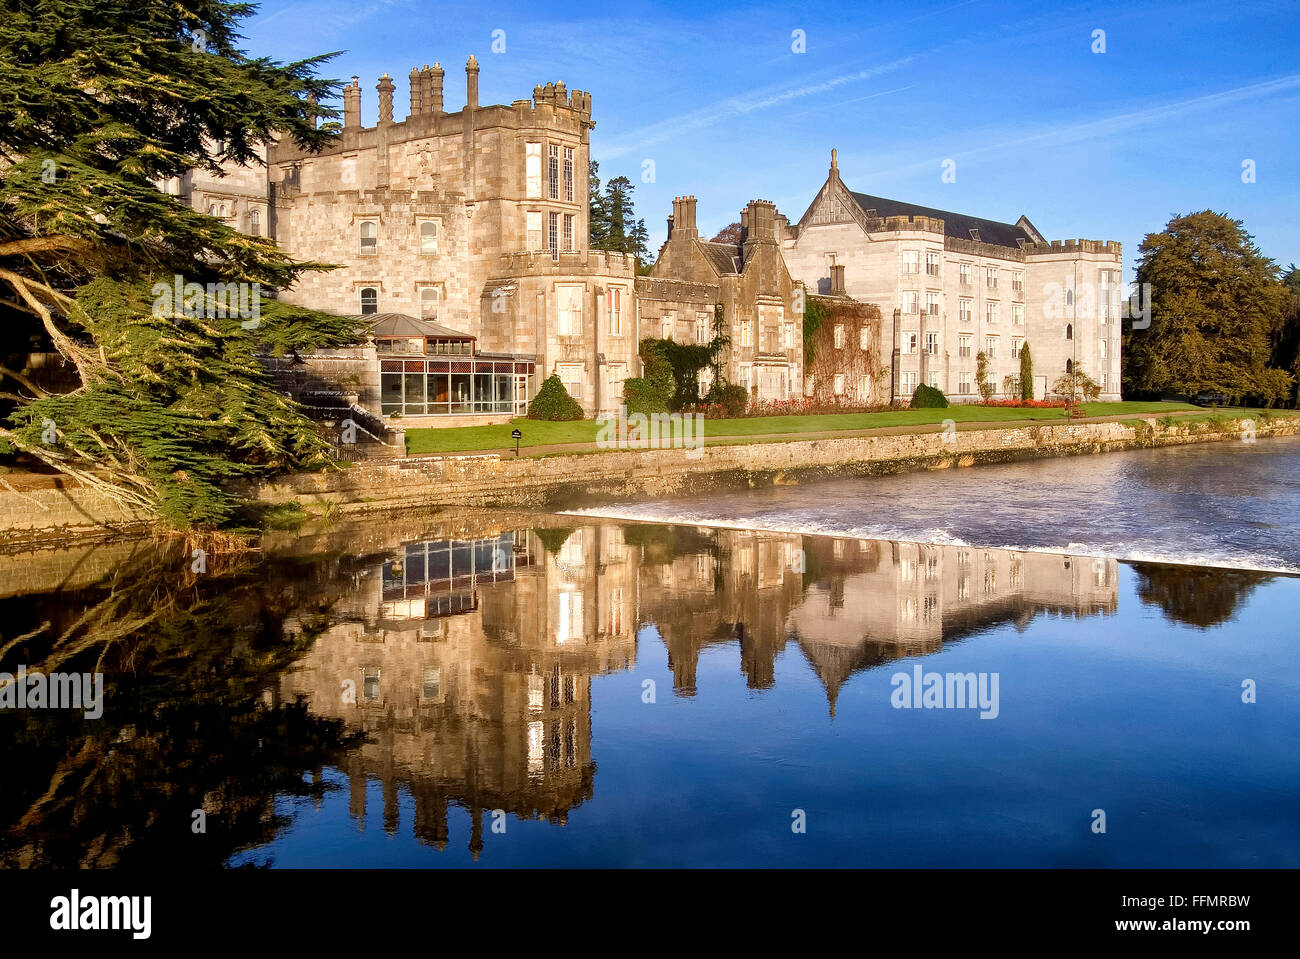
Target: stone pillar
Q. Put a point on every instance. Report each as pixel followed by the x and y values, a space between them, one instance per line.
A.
pixel 352 105
pixel 471 83
pixel 385 88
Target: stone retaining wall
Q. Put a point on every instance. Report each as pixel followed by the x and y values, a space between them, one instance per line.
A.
pixel 561 482
pixel 568 481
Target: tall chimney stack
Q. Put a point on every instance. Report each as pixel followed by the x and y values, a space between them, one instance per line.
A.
pixel 684 217
pixel 433 102
pixel 352 104
pixel 385 88
pixel 417 95
pixel 471 82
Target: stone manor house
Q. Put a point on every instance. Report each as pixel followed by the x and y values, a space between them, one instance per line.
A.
pixel 464 236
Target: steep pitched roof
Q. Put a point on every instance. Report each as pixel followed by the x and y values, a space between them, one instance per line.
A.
pixel 723 257
pixel 957 225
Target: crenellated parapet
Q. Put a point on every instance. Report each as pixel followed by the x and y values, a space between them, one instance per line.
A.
pixel 904 224
pixel 557 96
pixel 1104 247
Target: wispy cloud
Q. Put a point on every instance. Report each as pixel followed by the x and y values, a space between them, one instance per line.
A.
pixel 740 105
pixel 1103 128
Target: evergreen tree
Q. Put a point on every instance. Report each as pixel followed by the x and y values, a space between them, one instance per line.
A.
pixel 99 103
pixel 614 225
pixel 1026 373
pixel 597 214
pixel 1217 311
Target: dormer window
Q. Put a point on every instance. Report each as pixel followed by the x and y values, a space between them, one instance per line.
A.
pixel 975 235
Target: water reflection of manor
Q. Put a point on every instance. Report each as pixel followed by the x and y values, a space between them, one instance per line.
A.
pixel 469 666
pixel 851 604
pixel 469 663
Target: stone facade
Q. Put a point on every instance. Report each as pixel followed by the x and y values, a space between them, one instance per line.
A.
pixel 951 286
pixel 761 313
pixel 847 368
pixel 477 220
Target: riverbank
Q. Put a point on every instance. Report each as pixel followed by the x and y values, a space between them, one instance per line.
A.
pixel 66 512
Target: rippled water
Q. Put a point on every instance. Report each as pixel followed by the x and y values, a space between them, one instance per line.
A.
pixel 1219 504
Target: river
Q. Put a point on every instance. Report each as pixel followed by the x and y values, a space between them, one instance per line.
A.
pixel 1082 662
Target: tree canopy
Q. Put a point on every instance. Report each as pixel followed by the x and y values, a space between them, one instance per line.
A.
pixel 100 103
pixel 612 215
pixel 1218 310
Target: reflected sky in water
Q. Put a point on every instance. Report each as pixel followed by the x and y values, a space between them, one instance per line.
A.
pixel 476 692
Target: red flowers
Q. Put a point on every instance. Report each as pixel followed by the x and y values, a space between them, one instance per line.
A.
pixel 1026 404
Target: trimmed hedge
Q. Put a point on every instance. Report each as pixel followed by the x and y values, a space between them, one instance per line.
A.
pixel 553 402
pixel 929 398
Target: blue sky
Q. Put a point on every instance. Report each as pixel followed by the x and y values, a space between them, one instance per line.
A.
pixel 1105 146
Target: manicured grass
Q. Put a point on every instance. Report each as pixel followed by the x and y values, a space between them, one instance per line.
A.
pixel 542 433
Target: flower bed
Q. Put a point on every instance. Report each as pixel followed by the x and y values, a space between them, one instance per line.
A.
pixel 1026 404
pixel 796 407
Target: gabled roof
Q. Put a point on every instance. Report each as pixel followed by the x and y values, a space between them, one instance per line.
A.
pixel 400 325
pixel 723 257
pixel 957 225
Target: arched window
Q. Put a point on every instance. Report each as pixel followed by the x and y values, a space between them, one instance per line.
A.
pixel 369 300
pixel 1101 345
pixel 1069 366
pixel 1069 297
pixel 429 302
pixel 428 236
pixel 212 209
pixel 255 223
pixel 1069 331
pixel 369 232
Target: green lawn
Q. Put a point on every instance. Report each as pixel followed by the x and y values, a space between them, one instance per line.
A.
pixel 542 433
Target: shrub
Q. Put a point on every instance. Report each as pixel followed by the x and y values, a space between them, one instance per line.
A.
pixel 731 397
pixel 553 402
pixel 1077 385
pixel 642 396
pixel 929 398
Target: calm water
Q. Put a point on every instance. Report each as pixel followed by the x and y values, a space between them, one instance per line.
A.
pixel 579 691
